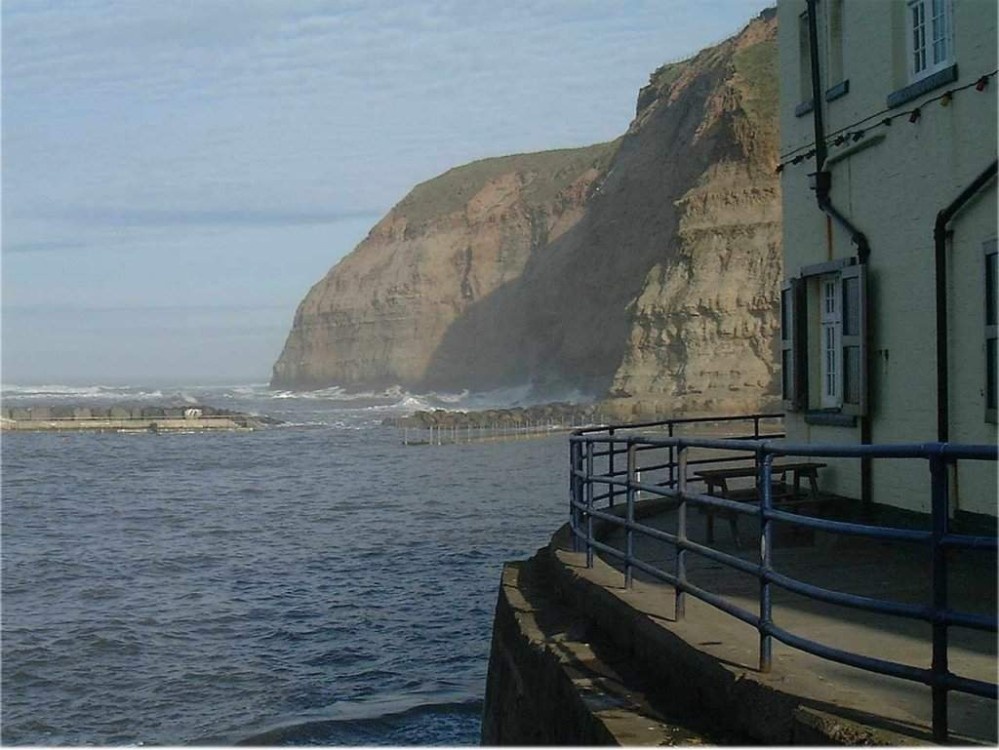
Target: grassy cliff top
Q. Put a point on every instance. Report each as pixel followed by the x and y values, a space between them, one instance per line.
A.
pixel 757 65
pixel 545 174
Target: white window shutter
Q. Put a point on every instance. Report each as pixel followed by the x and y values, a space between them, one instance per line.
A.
pixel 792 331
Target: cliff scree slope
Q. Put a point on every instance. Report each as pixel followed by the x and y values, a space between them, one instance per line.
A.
pixel 644 271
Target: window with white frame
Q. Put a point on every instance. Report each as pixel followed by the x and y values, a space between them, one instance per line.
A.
pixel 838 339
pixel 930 37
pixel 829 338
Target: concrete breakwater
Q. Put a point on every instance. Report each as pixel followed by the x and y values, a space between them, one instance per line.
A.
pixel 128 418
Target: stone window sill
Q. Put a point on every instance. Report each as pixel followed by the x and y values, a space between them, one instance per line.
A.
pixel 835 92
pixel 840 89
pixel 830 418
pixel 922 86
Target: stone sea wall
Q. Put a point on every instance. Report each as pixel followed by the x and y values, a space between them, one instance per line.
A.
pixel 577 661
pixel 559 415
pixel 126 417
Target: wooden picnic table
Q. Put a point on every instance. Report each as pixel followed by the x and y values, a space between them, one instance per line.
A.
pixel 717 482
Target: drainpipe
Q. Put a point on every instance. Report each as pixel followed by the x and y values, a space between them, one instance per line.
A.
pixel 823 179
pixel 822 184
pixel 940 234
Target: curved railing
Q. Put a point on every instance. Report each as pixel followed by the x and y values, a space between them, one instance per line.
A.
pixel 599 475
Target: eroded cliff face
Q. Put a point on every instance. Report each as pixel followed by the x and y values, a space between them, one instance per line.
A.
pixel 646 270
pixel 706 326
pixel 378 316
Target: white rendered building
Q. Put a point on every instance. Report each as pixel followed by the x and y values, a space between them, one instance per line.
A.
pixel 888 163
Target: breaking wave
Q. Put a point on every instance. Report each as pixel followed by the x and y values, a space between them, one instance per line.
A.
pixel 332 406
pixel 67 392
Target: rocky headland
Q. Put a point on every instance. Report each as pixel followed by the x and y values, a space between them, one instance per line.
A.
pixel 643 272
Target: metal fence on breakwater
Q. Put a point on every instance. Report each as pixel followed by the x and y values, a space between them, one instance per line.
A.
pixel 443 427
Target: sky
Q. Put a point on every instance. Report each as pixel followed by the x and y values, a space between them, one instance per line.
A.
pixel 177 174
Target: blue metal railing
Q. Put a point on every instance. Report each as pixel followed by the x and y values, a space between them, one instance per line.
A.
pixel 670 478
pixel 754 430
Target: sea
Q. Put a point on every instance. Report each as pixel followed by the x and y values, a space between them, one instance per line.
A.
pixel 316 582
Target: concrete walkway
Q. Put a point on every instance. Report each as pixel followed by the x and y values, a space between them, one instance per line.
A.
pixel 901 709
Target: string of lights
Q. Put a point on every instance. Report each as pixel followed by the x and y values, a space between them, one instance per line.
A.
pixel 857 130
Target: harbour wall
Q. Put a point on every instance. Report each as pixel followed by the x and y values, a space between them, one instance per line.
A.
pixel 577 660
pixel 552 682
pixel 125 418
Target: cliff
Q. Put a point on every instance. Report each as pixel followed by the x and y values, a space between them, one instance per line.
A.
pixel 645 269
pixel 379 315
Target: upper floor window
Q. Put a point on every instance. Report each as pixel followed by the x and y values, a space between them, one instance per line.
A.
pixel 930 44
pixel 804 59
pixel 834 72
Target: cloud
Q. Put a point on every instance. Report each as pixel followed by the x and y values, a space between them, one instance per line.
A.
pixel 36 310
pixel 309 103
pixel 40 246
pixel 139 217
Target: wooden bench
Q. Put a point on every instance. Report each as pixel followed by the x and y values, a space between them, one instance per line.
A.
pixel 785 495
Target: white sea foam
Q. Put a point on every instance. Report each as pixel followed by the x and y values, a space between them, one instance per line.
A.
pixel 333 406
pixel 66 392
pixel 332 393
pixel 53 390
pixel 338 424
pixel 450 398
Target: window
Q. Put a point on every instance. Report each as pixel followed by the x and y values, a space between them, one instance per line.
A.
pixel 835 27
pixel 838 339
pixel 852 348
pixel 923 46
pixel 991 255
pixel 929 29
pixel 831 328
pixel 793 386
pixel 805 59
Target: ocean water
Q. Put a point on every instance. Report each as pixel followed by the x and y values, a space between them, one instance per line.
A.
pixel 315 583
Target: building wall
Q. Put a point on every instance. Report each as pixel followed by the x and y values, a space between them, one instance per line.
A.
pixel 891 183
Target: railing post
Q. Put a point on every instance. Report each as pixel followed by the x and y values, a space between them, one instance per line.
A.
pixel 681 534
pixel 589 504
pixel 610 467
pixel 630 515
pixel 765 463
pixel 575 496
pixel 672 460
pixel 938 478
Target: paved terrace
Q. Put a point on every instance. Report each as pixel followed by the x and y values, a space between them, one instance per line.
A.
pixel 899 710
